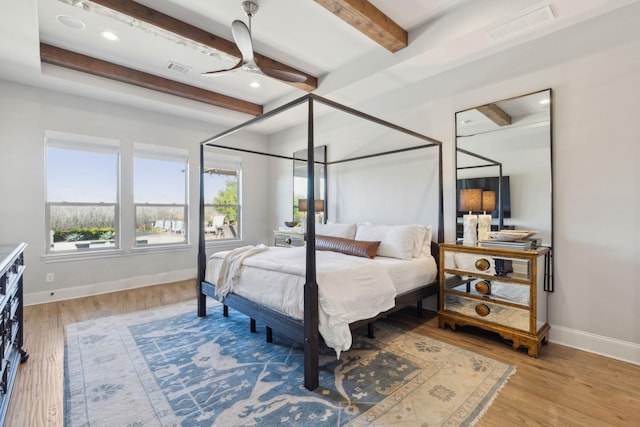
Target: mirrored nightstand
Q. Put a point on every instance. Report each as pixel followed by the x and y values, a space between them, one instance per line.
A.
pixel 288 239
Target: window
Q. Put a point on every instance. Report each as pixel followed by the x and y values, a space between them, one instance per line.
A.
pixel 221 176
pixel 82 198
pixel 160 194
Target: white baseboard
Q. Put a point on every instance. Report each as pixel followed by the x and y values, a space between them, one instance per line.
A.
pixel 598 344
pixel 106 287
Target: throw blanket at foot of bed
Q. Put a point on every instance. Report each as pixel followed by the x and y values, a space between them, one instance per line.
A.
pixel 230 268
pixel 349 288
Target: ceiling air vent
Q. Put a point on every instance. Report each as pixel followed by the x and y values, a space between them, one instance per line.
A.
pixel 521 23
pixel 178 68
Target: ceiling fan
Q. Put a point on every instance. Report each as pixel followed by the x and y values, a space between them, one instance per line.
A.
pixel 242 36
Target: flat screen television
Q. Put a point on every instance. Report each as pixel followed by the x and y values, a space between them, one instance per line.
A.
pixel 490 183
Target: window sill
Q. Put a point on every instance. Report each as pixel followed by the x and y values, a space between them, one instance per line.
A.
pixel 90 254
pixel 82 255
pixel 180 247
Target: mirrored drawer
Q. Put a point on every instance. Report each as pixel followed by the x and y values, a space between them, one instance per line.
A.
pixel 490 265
pixel 288 239
pixel 487 311
pixel 507 292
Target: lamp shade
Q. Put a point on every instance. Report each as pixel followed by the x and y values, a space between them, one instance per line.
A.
pixel 471 199
pixel 302 205
pixel 488 201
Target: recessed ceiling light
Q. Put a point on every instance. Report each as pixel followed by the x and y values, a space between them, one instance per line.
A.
pixel 109 35
pixel 254 84
pixel 71 22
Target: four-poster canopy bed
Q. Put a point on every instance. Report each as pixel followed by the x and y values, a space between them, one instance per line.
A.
pixel 305 329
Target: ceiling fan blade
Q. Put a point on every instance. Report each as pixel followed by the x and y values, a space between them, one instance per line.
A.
pixel 284 75
pixel 223 72
pixel 242 37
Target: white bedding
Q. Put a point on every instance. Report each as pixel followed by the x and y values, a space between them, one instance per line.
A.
pixel 409 274
pixel 349 288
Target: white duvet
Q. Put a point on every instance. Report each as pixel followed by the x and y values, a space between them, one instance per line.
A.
pixel 349 288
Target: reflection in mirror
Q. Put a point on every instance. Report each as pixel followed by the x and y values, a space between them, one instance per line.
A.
pixel 300 183
pixel 504 148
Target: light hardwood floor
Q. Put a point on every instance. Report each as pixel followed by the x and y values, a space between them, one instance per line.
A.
pixel 562 387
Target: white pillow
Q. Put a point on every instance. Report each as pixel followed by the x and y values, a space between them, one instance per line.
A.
pixel 418 240
pixel 397 241
pixel 422 243
pixel 346 231
pixel 426 243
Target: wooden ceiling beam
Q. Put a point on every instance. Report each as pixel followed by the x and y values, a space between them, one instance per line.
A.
pixel 182 29
pixel 370 21
pixel 496 114
pixel 75 61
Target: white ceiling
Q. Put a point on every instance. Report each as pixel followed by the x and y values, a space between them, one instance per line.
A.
pixel 351 68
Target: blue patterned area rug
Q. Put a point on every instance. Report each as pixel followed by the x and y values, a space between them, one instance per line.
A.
pixel 167 367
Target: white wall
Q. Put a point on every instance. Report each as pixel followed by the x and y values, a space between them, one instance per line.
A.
pixel 25 114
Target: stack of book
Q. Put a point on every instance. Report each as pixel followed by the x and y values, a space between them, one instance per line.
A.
pixel 519 245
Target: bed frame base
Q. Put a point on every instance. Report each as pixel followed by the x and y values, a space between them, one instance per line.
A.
pixel 286 325
pixel 294 329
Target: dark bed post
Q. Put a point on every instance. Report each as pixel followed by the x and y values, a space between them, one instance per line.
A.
pixel 202 250
pixel 311 334
pixel 440 197
pixel 500 201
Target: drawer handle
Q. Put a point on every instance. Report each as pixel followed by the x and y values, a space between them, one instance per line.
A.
pixel 482 264
pixel 483 287
pixel 287 240
pixel 482 310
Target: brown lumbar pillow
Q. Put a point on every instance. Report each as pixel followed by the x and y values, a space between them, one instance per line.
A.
pixel 361 248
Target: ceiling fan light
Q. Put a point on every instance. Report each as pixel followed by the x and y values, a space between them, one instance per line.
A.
pixel 253 68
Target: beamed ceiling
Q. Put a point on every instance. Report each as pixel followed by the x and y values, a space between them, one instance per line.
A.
pixel 362 15
pixel 350 51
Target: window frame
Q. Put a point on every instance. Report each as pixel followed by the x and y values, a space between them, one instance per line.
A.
pixel 82 143
pixel 164 153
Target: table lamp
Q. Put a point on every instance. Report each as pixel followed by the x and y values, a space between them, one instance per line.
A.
pixel 484 220
pixel 470 200
pixel 319 210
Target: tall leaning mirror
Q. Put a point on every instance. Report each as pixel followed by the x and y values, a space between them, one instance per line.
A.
pixel 504 150
pixel 300 183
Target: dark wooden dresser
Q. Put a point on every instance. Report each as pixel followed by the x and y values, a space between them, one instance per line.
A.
pixel 11 350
